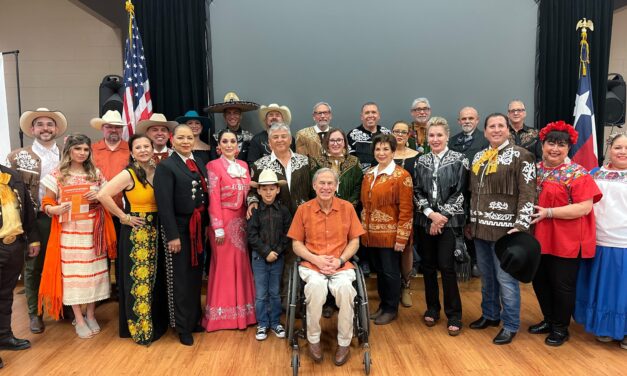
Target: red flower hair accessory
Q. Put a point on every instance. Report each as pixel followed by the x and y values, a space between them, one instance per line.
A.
pixel 560 126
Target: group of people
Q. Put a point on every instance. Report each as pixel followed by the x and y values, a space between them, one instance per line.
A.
pixel 242 207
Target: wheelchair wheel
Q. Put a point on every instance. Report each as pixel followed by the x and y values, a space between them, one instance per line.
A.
pixel 363 311
pixel 290 312
pixel 295 362
pixel 367 362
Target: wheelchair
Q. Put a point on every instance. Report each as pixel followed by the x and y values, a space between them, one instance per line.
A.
pixel 296 308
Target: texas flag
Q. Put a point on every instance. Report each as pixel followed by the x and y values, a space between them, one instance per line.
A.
pixel 584 152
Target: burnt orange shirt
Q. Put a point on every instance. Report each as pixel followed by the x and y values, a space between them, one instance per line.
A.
pixel 111 162
pixel 325 234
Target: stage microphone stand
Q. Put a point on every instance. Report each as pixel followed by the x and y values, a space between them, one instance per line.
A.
pixel 19 96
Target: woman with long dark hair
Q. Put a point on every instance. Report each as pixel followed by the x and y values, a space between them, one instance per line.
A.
pixel 141 314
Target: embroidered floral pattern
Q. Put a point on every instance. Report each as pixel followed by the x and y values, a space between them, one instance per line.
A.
pixel 379 216
pixel 231 313
pixel 528 171
pixel 236 229
pixel 143 255
pixel 610 175
pixel 25 161
pixel 564 174
pixel 497 205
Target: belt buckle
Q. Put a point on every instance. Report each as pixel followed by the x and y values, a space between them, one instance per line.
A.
pixel 9 239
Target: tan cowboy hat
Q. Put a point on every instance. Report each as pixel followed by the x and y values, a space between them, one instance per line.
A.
pixel 231 100
pixel 112 117
pixel 267 177
pixel 27 118
pixel 287 115
pixel 155 119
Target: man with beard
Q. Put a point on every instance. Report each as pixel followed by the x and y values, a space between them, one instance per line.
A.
pixel 32 164
pixel 521 134
pixel 421 113
pixel 360 138
pixel 232 109
pixel 268 115
pixel 469 141
pixel 111 153
pixel 309 140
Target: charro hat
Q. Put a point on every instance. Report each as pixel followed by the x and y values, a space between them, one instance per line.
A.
pixel 267 177
pixel 287 115
pixel 519 255
pixel 231 100
pixel 112 117
pixel 193 115
pixel 27 118
pixel 155 119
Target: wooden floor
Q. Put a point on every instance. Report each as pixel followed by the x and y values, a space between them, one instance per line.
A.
pixel 405 347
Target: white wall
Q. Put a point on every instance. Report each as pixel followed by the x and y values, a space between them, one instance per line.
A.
pixel 64 54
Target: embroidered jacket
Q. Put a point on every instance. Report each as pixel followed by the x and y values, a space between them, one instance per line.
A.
pixel 225 191
pixel 360 144
pixel 299 189
pixel 504 199
pixel 387 214
pixel 450 180
pixel 308 142
pixel 28 165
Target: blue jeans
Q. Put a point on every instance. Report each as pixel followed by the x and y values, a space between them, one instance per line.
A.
pixel 498 288
pixel 267 285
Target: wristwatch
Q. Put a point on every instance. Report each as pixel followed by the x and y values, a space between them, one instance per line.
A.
pixel 342 262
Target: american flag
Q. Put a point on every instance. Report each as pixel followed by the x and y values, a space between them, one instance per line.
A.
pixel 137 103
pixel 584 152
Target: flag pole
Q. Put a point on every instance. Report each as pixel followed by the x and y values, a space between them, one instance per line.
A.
pixel 584 56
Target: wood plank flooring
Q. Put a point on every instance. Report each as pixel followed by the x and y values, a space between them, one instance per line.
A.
pixel 405 347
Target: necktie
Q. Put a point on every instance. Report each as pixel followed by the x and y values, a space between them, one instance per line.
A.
pixel 193 168
pixel 321 135
pixel 195 222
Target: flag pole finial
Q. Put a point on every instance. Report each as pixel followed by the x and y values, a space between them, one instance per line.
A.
pixel 584 58
pixel 130 9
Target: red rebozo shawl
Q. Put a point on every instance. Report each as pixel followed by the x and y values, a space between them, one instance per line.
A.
pixel 51 287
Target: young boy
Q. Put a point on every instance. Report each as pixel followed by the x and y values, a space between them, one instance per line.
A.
pixel 267 237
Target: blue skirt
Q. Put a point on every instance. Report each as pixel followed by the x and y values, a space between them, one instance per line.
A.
pixel 601 304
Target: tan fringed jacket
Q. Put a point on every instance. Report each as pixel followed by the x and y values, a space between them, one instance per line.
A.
pixel 387 214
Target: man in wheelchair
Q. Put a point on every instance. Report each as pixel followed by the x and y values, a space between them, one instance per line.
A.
pixel 325 233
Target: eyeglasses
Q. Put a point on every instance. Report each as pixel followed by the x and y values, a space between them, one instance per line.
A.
pixel 336 141
pixel 320 113
pixel 400 133
pixel 116 127
pixel 515 110
pixel 421 109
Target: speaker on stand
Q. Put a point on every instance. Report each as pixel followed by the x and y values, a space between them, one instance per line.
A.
pixel 111 94
pixel 614 103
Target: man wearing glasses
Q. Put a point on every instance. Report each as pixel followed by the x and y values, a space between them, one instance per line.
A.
pixel 521 134
pixel 309 140
pixel 421 113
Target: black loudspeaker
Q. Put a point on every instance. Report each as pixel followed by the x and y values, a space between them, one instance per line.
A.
pixel 615 100
pixel 111 94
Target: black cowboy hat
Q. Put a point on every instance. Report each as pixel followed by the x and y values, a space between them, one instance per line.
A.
pixel 519 254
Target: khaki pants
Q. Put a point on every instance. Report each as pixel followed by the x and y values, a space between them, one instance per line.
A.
pixel 317 286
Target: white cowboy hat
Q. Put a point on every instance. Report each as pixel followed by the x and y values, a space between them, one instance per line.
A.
pixel 27 118
pixel 231 100
pixel 267 177
pixel 287 115
pixel 112 117
pixel 155 119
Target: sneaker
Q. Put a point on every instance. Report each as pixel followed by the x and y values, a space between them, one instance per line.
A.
pixel 262 333
pixel 279 331
pixel 604 339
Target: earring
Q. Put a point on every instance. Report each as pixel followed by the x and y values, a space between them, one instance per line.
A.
pixel 219 151
pixel 152 163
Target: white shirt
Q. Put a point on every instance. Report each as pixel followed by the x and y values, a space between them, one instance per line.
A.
pixel 609 212
pixel 288 168
pixel 49 161
pixel 389 170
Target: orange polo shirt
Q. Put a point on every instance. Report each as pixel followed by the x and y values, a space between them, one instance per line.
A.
pixel 325 234
pixel 110 162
